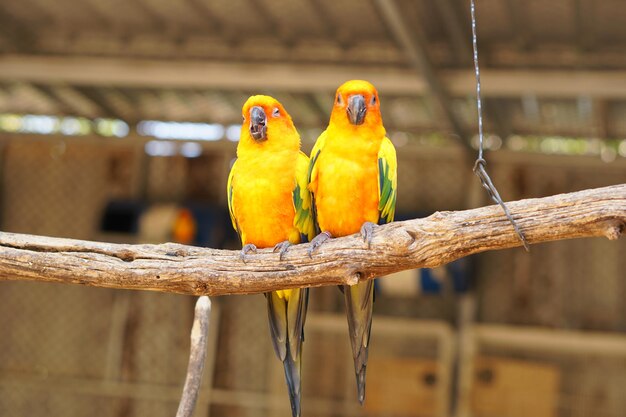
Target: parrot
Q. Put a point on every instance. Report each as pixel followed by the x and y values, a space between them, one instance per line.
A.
pixel 270 206
pixel 185 228
pixel 353 180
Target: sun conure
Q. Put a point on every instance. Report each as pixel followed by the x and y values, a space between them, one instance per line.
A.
pixel 353 177
pixel 270 206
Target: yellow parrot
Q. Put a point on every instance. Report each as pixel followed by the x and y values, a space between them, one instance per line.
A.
pixel 270 206
pixel 353 177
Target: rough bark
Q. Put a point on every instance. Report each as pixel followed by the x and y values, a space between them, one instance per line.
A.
pixel 429 242
pixel 197 355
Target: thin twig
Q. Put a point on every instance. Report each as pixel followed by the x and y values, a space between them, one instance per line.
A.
pixel 197 356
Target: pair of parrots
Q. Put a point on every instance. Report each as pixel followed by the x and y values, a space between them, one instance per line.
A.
pixel 278 197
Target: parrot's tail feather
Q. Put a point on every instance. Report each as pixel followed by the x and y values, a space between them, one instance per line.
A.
pixel 359 305
pixel 360 384
pixel 292 376
pixel 287 314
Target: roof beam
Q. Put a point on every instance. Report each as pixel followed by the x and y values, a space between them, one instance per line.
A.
pixel 330 27
pixel 601 120
pixel 498 116
pixel 75 102
pixel 212 21
pixel 460 36
pixel 551 55
pixel 584 14
pixel 17 37
pixel 320 105
pixel 50 103
pixel 101 104
pixel 458 31
pixel 519 28
pixel 414 44
pixel 156 20
pixel 270 21
pixel 542 83
pixel 303 78
pixel 203 10
pixel 159 73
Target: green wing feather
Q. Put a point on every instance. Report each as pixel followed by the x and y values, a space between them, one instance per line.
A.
pixel 387 181
pixel 302 201
pixel 315 153
pixel 312 173
pixel 229 191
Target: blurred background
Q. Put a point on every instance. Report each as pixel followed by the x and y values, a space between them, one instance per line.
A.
pixel 119 120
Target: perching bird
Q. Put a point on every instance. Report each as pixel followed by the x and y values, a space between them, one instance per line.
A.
pixel 270 206
pixel 353 179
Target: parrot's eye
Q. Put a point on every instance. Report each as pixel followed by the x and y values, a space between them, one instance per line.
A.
pixel 373 101
pixel 276 112
pixel 339 100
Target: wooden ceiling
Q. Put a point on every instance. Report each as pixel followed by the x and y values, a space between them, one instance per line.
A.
pixel 549 67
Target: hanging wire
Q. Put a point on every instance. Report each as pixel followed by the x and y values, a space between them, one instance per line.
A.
pixel 480 164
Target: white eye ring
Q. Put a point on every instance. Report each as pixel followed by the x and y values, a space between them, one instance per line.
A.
pixel 339 100
pixel 373 100
pixel 276 112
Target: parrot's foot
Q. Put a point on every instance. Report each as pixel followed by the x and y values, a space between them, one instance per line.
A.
pixel 247 249
pixel 367 232
pixel 317 241
pixel 282 249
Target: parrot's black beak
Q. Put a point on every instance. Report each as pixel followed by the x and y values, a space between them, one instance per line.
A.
pixel 258 127
pixel 356 109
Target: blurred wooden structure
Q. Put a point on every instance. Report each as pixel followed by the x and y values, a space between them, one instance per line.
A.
pixel 504 387
pixel 549 68
pixel 77 351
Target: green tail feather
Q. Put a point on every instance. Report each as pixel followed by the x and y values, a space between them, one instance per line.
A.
pixel 293 370
pixel 359 303
pixel 286 327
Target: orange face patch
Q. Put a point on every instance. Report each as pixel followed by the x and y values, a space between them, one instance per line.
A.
pixel 279 128
pixel 343 96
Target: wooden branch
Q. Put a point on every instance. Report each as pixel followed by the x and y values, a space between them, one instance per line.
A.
pixel 197 356
pixel 429 242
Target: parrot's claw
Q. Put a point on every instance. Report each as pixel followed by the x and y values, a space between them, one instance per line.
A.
pixel 247 249
pixel 317 241
pixel 282 249
pixel 367 232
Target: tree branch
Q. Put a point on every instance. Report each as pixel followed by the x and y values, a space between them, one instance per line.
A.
pixel 197 354
pixel 429 242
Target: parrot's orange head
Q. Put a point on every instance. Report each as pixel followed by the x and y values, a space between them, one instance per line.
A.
pixel 357 103
pixel 266 121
